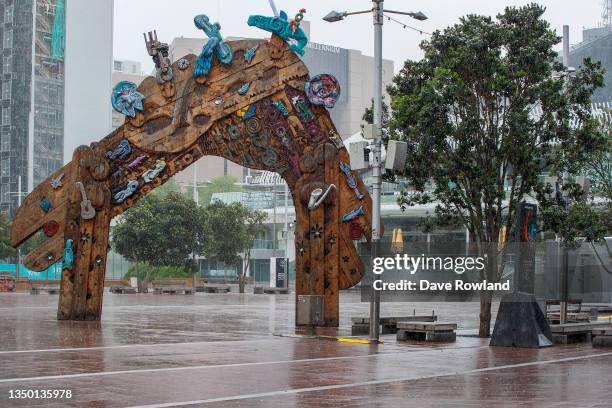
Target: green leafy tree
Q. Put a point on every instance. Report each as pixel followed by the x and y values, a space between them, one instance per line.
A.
pixel 223 184
pixel 161 231
pixel 6 251
pixel 483 114
pixel 234 229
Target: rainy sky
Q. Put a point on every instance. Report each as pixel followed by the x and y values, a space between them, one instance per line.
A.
pixel 175 19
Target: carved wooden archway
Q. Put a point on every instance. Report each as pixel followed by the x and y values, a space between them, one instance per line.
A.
pixel 252 111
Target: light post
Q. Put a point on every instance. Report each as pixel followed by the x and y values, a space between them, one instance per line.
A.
pixel 378 14
pixel 20 194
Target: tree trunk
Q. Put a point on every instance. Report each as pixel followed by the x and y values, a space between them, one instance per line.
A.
pixel 241 278
pixel 224 273
pixel 485 314
pixel 193 280
pixel 143 285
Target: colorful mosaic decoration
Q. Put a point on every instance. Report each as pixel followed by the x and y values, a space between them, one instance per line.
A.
pixel 323 90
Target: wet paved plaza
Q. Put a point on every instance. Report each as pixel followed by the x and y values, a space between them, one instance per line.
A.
pixel 220 350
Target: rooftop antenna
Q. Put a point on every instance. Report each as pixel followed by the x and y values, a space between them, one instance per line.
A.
pixel 275 10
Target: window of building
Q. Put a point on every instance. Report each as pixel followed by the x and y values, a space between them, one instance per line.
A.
pixel 118 66
pixel 8 39
pixel 6 116
pixel 7 64
pixel 6 90
pixel 5 142
pixel 8 14
pixel 5 168
pixel 4 193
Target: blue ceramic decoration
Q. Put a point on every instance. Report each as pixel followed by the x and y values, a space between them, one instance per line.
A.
pixel 283 29
pixel 150 175
pixel 350 179
pixel 129 190
pixel 323 90
pixel 121 151
pixel 250 54
pixel 214 46
pixel 247 112
pixel 281 108
pixel 68 258
pixel 126 99
pixel 45 204
pixel 359 211
pixel 244 89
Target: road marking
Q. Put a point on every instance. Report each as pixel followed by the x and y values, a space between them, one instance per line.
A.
pixel 130 346
pixel 364 383
pixel 155 370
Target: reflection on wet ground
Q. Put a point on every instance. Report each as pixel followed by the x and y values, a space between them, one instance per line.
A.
pixel 220 350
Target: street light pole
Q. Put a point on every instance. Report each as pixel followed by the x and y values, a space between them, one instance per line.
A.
pixel 378 14
pixel 376 166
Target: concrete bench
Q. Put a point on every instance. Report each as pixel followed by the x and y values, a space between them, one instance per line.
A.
pixel 123 290
pixel 49 289
pixel 215 289
pixel 426 331
pixel 602 337
pixel 361 325
pixel 171 287
pixel 276 291
pixel 575 332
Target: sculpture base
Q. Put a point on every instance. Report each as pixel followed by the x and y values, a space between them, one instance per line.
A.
pixel 521 323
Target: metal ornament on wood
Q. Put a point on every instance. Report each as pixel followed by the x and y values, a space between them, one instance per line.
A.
pixel 350 179
pixel 317 197
pixel 87 210
pixel 57 182
pixel 159 51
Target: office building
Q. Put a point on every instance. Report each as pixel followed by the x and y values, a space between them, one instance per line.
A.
pixel 55 56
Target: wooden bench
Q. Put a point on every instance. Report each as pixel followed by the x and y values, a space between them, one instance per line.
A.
pixel 426 331
pixel 574 311
pixel 123 290
pixel 602 337
pixel 214 289
pixel 49 289
pixel 361 325
pixel 569 333
pixel 172 287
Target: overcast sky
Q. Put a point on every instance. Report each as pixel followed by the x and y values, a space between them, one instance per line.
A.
pixel 174 18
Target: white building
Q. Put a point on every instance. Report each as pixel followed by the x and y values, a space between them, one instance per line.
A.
pixel 89 59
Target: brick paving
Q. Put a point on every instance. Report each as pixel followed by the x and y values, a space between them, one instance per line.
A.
pixel 220 350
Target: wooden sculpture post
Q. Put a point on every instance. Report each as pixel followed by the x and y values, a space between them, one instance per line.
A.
pixel 251 102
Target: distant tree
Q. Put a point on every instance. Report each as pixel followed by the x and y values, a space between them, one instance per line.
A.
pixel 233 229
pixel 483 114
pixel 223 184
pixel 161 231
pixel 599 168
pixel 6 251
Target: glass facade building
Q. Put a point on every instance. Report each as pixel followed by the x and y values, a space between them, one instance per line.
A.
pixel 32 118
